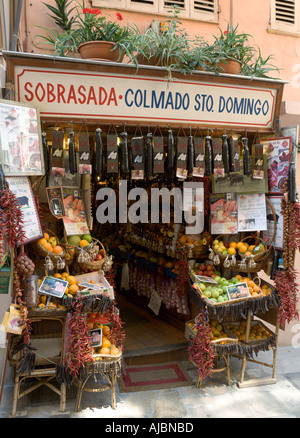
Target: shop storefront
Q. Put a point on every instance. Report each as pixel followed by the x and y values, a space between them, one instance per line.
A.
pixel 176 196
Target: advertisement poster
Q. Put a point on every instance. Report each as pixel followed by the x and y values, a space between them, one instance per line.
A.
pixel 20 140
pixel 21 187
pixel 55 201
pixel 252 212
pixel 75 219
pixel 224 213
pixel 278 152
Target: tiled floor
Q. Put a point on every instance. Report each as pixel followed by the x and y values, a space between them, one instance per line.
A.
pixel 148 335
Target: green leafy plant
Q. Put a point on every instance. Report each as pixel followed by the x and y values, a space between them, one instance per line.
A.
pixel 62 15
pixel 164 45
pixel 86 25
pixel 199 56
pixel 231 45
pixel 259 67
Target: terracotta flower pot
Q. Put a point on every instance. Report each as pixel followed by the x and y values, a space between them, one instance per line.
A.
pixel 99 51
pixel 232 66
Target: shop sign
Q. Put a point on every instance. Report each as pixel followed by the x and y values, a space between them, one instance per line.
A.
pixel 67 93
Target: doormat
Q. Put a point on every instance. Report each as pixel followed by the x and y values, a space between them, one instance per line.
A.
pixel 157 376
pixel 294 378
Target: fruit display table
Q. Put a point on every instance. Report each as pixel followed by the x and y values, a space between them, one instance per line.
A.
pixel 242 312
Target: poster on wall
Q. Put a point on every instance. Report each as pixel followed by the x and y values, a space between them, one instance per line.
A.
pixel 75 218
pixel 21 187
pixel 55 201
pixel 20 140
pixel 224 213
pixel 252 212
pixel 278 151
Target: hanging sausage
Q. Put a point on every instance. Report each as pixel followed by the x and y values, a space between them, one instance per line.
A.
pixel 45 153
pixel 191 155
pixel 98 159
pixel 124 155
pixel 72 154
pixel 246 157
pixel 149 156
pixel 225 153
pixel 208 156
pixel 170 152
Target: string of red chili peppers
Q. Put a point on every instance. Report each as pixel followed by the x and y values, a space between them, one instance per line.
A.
pixel 78 340
pixel 201 351
pixel 12 234
pixel 285 280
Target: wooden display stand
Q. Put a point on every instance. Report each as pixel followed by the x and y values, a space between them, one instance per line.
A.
pixel 110 376
pixel 45 367
pixel 271 318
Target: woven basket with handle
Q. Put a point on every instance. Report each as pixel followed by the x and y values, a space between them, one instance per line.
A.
pixel 44 252
pixel 93 265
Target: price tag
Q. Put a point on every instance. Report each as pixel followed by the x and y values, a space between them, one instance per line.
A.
pixel 155 302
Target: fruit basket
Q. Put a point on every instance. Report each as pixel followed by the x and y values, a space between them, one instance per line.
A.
pixel 48 246
pixel 224 335
pixel 258 331
pixel 92 265
pixel 231 250
pixel 107 357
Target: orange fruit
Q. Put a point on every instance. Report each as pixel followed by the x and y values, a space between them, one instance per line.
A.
pixel 72 280
pixel 104 350
pixel 43 241
pixel 106 330
pixel 231 250
pixel 232 245
pixel 114 351
pixel 239 244
pixel 105 342
pixel 57 275
pixel 239 277
pixel 90 325
pixel 251 247
pixel 46 236
pixel 73 289
pixel 48 247
pixel 242 248
pixel 83 243
pixel 251 284
pixel 57 250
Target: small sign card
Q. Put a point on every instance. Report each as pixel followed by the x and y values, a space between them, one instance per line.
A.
pixel 96 337
pixel 239 290
pixel 155 302
pixel 55 287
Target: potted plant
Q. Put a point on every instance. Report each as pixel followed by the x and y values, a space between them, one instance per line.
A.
pixel 259 67
pixel 89 33
pixel 231 50
pixel 164 44
pixel 199 55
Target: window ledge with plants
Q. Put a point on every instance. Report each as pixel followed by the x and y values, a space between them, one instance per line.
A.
pixel 166 45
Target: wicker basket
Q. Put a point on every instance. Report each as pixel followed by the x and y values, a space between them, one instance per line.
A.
pixel 223 256
pixel 190 333
pixel 253 323
pixel 107 357
pixel 70 249
pixel 43 252
pixel 95 265
pixel 229 302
